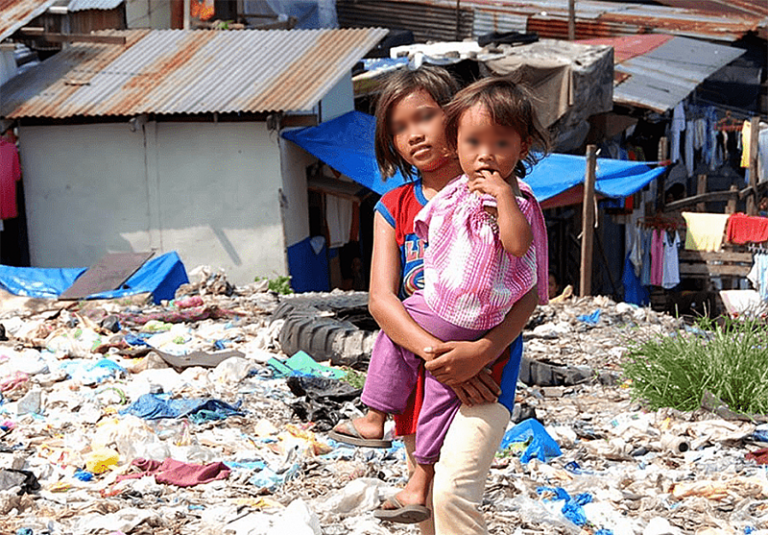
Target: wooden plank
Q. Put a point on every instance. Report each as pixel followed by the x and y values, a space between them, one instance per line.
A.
pixel 754 131
pixel 588 222
pixel 52 37
pixel 701 189
pixel 731 206
pixel 714 270
pixel 109 273
pixel 704 256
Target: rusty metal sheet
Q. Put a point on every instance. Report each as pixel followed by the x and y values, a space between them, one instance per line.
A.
pixel 14 14
pixel 189 72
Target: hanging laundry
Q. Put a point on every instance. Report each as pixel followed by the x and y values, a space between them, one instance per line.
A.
pixel 10 173
pixel 746 132
pixel 745 229
pixel 645 273
pixel 636 253
pixel 671 269
pixel 338 217
pixel 657 258
pixel 762 155
pixel 634 291
pixel 689 135
pixel 678 125
pixel 705 231
pixel 758 275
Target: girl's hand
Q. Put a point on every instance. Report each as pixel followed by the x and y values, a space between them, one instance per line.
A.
pixel 454 363
pixel 492 183
pixel 478 390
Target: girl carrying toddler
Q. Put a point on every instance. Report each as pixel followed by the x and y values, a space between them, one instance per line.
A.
pixel 487 249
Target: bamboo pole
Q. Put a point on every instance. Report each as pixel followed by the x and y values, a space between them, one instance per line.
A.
pixel 571 20
pixel 588 222
pixel 754 131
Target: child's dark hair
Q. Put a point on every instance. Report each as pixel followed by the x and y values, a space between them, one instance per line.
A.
pixel 434 80
pixel 509 104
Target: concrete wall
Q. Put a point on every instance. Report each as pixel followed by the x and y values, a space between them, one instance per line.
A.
pixel 154 14
pixel 339 100
pixel 7 64
pixel 208 191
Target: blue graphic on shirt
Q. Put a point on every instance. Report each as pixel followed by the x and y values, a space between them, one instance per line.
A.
pixel 412 259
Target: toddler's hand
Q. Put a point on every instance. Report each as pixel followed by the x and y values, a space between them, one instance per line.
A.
pixel 492 183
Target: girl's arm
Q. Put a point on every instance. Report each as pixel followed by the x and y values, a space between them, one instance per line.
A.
pixel 514 230
pixel 383 301
pixel 453 363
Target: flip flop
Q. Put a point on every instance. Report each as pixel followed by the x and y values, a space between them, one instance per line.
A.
pixel 403 514
pixel 346 432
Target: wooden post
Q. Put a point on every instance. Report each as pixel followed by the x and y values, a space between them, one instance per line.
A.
pixel 754 131
pixel 701 188
pixel 588 222
pixel 571 20
pixel 662 155
pixel 186 18
pixel 731 206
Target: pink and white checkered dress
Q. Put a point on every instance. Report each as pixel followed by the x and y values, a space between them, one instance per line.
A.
pixel 469 279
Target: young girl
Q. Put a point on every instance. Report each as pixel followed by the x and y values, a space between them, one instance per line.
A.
pixel 479 263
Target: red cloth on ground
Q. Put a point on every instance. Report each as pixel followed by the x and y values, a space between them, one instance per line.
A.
pixel 742 229
pixel 172 472
pixel 10 173
pixel 759 456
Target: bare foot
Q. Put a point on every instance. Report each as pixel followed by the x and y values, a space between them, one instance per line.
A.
pixel 415 492
pixel 369 426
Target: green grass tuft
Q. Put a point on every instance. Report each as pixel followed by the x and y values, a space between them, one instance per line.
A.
pixel 727 358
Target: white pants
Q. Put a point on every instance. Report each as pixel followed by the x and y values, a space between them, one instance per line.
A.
pixel 462 471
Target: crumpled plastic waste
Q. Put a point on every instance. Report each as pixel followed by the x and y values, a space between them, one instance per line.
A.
pixel 24 479
pixel 537 442
pixel 89 373
pixel 155 406
pixel 323 399
pixel 590 319
pixel 303 364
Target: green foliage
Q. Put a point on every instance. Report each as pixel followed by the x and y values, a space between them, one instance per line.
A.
pixel 728 358
pixel 280 284
pixel 355 378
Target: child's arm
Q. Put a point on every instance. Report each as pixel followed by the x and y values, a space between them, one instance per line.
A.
pixel 514 230
pixel 383 301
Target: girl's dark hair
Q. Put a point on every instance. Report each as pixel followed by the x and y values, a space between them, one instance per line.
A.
pixel 434 80
pixel 509 104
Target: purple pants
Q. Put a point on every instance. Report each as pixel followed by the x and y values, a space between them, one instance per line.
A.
pixel 392 375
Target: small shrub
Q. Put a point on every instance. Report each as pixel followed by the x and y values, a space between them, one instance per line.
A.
pixel 280 284
pixel 727 358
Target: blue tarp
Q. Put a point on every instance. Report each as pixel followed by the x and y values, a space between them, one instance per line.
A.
pixel 347 144
pixel 159 276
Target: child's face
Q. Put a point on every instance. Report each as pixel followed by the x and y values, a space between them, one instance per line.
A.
pixel 418 131
pixel 483 145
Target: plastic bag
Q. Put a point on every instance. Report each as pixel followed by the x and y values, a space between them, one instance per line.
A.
pixel 540 445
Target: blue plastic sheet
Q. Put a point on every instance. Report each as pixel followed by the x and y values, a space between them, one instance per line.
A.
pixel 88 372
pixel 572 506
pixel 156 406
pixel 591 319
pixel 347 144
pixel 309 270
pixel 159 276
pixel 541 445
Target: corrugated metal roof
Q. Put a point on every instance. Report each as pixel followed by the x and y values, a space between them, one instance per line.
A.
pixel 14 14
pixel 549 18
pixel 661 75
pixel 84 5
pixel 723 7
pixel 188 71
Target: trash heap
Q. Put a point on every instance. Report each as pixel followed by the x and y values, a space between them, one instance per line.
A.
pixel 123 417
